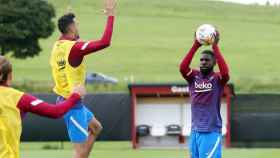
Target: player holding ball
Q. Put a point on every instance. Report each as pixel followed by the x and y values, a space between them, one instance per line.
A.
pixel 206 88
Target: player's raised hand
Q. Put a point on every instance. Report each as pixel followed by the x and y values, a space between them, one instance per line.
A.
pixel 109 7
pixel 80 89
pixel 195 41
pixel 217 37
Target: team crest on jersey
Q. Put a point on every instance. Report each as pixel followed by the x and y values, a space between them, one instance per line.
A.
pixel 61 62
pixel 203 86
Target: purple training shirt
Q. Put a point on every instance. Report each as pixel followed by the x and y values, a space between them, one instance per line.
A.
pixel 206 92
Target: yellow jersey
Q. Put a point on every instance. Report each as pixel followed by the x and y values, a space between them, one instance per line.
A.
pixel 10 122
pixel 64 75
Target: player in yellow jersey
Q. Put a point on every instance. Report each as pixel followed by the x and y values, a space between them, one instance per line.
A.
pixel 68 70
pixel 15 104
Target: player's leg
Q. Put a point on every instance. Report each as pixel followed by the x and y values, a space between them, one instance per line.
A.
pixel 77 127
pixel 210 145
pixel 80 150
pixel 76 121
pixel 193 148
pixel 89 143
pixel 94 129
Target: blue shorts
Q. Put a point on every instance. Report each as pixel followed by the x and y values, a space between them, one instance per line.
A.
pixel 77 120
pixel 205 145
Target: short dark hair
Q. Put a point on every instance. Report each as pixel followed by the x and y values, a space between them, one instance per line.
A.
pixel 65 21
pixel 209 52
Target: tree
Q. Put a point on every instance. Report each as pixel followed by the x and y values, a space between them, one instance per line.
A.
pixel 22 24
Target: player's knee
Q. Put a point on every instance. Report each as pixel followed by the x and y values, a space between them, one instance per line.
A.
pixel 99 128
pixel 96 127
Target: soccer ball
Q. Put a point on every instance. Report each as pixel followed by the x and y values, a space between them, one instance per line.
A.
pixel 205 34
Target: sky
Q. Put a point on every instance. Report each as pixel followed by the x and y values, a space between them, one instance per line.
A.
pixel 260 2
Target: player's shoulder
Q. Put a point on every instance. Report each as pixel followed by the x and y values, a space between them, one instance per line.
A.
pixel 64 42
pixel 192 74
pixel 9 89
pixel 12 92
pixel 17 92
pixel 217 74
pixel 195 71
pixel 81 44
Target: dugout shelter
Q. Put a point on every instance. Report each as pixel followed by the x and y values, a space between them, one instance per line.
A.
pixel 161 115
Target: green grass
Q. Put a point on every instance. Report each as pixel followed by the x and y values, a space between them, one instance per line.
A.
pixel 124 150
pixel 151 37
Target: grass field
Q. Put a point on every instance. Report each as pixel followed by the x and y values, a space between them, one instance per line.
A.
pixel 151 37
pixel 123 150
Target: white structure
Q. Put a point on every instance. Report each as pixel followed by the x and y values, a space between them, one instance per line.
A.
pixel 161 107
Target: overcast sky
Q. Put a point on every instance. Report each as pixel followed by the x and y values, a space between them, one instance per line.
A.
pixel 261 2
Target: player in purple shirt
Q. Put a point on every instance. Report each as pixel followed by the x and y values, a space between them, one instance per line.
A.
pixel 206 88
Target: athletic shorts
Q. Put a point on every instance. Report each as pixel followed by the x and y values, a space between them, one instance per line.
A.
pixel 205 145
pixel 77 121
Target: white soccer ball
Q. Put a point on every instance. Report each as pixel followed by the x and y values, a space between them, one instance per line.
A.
pixel 205 34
